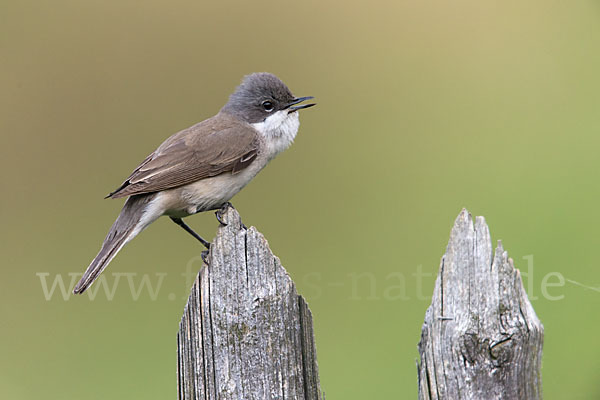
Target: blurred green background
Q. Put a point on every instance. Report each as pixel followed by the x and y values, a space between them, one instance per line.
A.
pixel 424 107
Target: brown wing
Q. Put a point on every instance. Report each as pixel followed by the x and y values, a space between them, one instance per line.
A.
pixel 210 148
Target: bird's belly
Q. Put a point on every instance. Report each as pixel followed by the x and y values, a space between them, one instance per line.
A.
pixel 208 194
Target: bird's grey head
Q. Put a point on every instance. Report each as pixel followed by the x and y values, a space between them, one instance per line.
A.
pixel 262 95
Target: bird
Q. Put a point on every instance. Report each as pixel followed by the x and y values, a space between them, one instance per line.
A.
pixel 202 167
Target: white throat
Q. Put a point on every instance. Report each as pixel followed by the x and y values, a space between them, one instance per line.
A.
pixel 279 131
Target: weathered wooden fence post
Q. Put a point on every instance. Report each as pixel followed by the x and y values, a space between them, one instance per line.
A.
pixel 245 332
pixel 481 338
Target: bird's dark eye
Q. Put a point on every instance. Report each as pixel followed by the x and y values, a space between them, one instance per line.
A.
pixel 267 105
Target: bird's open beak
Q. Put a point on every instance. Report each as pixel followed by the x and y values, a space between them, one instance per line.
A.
pixel 292 107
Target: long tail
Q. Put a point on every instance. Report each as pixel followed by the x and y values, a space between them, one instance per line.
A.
pixel 130 222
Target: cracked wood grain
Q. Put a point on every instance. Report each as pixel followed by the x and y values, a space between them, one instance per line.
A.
pixel 481 338
pixel 245 332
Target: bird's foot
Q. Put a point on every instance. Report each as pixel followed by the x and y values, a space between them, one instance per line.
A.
pixel 204 256
pixel 221 211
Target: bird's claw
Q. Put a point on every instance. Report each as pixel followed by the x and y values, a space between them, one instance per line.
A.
pixel 204 256
pixel 221 211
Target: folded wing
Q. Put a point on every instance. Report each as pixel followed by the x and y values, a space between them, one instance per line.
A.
pixel 207 149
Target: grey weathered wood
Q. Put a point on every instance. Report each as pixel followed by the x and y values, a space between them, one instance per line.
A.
pixel 481 338
pixel 245 332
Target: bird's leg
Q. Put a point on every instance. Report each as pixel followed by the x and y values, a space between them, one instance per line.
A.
pixel 219 213
pixel 189 230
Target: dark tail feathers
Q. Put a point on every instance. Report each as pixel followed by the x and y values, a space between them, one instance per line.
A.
pixel 122 231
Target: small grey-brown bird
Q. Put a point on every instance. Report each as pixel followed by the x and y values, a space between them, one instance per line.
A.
pixel 202 167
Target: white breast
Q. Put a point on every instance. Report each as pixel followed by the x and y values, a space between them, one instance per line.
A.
pixel 279 131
